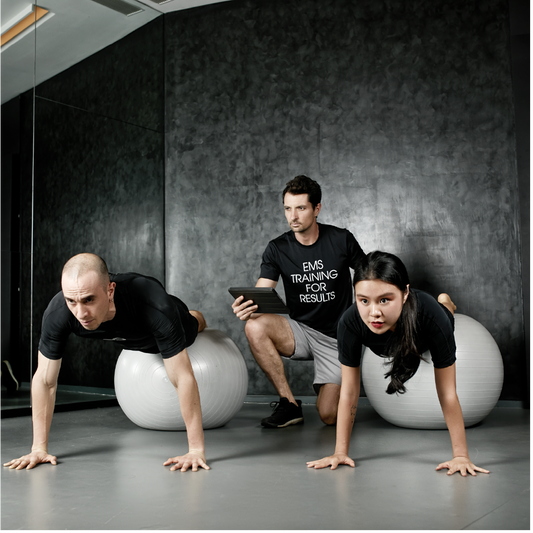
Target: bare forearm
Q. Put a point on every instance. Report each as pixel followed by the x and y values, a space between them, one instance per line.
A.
pixel 345 419
pixel 455 423
pixel 349 397
pixel 43 402
pixel 191 411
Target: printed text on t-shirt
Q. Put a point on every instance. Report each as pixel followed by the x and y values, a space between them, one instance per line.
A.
pixel 313 279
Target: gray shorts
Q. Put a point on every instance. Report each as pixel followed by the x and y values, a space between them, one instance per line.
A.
pixel 313 345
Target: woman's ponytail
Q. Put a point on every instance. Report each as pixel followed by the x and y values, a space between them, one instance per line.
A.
pixel 402 349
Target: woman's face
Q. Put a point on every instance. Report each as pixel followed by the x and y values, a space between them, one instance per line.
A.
pixel 380 304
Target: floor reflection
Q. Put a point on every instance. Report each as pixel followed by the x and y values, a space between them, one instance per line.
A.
pixel 18 403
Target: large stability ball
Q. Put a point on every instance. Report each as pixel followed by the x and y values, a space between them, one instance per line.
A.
pixel 479 376
pixel 149 399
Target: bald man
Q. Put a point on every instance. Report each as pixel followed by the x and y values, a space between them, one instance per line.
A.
pixel 135 312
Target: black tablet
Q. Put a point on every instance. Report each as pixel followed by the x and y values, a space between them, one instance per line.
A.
pixel 266 298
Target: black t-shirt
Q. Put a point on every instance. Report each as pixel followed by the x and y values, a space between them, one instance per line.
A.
pixel 316 278
pixel 147 319
pixel 434 326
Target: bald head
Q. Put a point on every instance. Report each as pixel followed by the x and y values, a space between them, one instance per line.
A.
pixel 81 264
pixel 88 291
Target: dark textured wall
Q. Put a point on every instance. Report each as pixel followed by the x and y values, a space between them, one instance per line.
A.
pixel 403 111
pixel 99 179
pixel 521 12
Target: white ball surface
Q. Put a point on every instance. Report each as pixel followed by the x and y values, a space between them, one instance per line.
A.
pixel 149 399
pixel 479 376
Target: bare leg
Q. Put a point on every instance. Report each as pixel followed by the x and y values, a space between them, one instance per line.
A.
pixel 446 301
pixel 202 324
pixel 270 337
pixel 327 403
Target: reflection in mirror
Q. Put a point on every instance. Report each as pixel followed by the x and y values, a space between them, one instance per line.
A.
pixel 18 72
pixel 61 75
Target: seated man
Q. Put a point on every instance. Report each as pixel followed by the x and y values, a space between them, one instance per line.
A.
pixel 133 311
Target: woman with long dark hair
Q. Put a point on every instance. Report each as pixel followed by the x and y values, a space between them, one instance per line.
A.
pixel 401 323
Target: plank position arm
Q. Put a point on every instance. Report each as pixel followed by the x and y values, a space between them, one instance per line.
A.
pixel 43 393
pixel 349 398
pixel 451 409
pixel 181 375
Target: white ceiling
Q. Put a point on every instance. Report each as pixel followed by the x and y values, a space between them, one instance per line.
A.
pixel 75 30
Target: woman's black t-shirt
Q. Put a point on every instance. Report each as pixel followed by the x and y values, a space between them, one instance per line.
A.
pixel 434 328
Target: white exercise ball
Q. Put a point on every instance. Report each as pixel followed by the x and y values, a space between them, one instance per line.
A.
pixel 149 399
pixel 479 378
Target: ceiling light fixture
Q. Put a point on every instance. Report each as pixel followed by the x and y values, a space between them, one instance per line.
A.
pixel 122 7
pixel 16 28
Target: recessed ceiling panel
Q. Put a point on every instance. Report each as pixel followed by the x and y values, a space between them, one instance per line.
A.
pixel 122 7
pixel 77 29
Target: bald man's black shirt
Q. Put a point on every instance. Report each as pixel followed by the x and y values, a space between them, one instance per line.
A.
pixel 147 319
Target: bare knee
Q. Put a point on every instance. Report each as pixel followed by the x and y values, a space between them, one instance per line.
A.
pixel 268 333
pixel 328 403
pixel 254 329
pixel 202 324
pixel 266 327
pixel 329 417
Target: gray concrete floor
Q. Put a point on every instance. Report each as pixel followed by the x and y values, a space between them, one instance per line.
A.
pixel 110 476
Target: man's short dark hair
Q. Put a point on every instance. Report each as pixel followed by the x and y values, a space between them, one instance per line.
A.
pixel 304 185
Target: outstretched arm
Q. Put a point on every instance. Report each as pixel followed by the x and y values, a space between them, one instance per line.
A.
pixel 349 397
pixel 446 390
pixel 43 393
pixel 180 373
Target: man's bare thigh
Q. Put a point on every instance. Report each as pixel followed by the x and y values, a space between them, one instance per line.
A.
pixel 277 328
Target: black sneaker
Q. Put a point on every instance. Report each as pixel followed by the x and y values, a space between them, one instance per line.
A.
pixel 8 378
pixel 285 414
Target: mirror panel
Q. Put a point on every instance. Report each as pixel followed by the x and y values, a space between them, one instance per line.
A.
pixel 18 63
pixel 95 150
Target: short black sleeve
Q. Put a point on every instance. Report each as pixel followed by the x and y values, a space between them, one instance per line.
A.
pixel 436 327
pixel 56 326
pixel 270 263
pixel 166 317
pixel 350 337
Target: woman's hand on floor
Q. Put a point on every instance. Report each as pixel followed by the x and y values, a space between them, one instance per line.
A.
pixel 463 465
